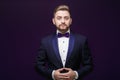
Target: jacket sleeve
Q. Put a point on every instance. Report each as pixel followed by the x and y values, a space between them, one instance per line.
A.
pixel 87 64
pixel 41 59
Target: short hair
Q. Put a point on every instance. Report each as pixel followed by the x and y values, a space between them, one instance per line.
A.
pixel 62 7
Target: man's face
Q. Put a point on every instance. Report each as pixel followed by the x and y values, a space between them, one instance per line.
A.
pixel 62 20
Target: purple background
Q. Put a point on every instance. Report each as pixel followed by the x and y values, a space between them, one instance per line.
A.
pixel 24 22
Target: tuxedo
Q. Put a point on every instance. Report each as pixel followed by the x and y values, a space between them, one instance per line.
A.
pixel 78 56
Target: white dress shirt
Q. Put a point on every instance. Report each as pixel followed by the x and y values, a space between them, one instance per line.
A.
pixel 63 43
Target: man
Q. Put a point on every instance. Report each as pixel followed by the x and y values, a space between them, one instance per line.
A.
pixel 61 54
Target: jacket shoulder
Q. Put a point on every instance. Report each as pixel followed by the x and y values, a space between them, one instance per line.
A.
pixel 80 36
pixel 47 38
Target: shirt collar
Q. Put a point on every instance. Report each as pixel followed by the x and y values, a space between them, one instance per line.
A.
pixel 60 32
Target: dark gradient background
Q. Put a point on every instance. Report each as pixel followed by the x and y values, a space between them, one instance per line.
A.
pixel 24 22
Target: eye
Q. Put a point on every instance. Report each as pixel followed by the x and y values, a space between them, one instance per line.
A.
pixel 58 17
pixel 66 17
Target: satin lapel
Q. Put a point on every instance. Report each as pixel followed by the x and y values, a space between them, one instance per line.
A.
pixel 55 47
pixel 71 45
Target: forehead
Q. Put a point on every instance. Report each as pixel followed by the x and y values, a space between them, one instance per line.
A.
pixel 62 13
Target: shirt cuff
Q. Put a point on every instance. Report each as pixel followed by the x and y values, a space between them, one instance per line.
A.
pixel 76 77
pixel 53 74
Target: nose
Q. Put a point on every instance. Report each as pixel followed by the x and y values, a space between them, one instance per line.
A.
pixel 62 20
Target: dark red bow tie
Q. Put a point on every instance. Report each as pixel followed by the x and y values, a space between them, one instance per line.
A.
pixel 63 35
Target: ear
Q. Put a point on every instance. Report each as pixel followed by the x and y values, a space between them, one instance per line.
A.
pixel 53 20
pixel 70 20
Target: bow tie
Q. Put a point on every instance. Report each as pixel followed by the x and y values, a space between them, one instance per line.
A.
pixel 63 35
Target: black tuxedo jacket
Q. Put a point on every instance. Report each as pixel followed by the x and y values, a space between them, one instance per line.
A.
pixel 48 58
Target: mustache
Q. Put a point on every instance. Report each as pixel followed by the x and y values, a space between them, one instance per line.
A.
pixel 63 24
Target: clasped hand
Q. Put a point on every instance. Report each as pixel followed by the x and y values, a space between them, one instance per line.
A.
pixel 64 74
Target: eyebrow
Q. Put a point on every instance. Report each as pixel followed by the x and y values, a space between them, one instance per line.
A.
pixel 61 16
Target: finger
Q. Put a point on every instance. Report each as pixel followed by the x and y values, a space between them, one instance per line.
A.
pixel 63 77
pixel 67 69
pixel 60 69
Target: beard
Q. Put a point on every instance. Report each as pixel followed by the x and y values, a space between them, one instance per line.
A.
pixel 63 27
pixel 63 24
